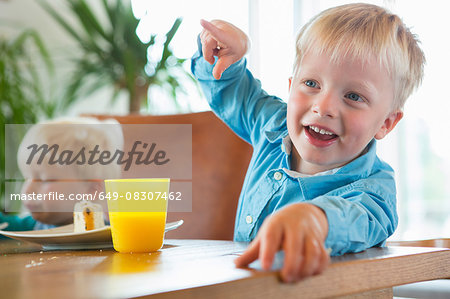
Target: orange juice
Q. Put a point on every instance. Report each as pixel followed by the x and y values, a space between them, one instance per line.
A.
pixel 137 212
pixel 137 231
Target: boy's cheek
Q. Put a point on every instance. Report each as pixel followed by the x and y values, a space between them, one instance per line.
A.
pixel 297 101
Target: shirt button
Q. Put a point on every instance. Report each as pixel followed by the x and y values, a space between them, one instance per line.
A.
pixel 249 219
pixel 278 175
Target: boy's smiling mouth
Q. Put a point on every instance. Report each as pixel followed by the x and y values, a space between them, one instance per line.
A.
pixel 319 136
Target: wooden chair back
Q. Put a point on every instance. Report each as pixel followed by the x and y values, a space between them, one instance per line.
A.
pixel 219 163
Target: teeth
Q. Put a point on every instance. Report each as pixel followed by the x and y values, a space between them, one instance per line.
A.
pixel 320 131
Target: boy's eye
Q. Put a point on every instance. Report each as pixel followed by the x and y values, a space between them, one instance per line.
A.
pixel 354 97
pixel 311 83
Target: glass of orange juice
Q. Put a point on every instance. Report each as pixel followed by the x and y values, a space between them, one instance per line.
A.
pixel 137 213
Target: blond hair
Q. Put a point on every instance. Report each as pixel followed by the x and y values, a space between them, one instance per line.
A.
pixel 73 133
pixel 361 32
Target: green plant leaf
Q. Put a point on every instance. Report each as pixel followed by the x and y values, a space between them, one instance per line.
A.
pixel 60 20
pixel 24 65
pixel 112 54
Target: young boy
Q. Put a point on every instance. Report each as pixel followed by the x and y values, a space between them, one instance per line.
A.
pixel 76 179
pixel 314 182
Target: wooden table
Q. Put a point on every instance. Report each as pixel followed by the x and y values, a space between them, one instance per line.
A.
pixel 204 269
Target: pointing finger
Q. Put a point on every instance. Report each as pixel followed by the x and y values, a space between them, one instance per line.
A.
pixel 216 32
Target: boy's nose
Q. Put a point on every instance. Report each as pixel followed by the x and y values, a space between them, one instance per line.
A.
pixel 325 105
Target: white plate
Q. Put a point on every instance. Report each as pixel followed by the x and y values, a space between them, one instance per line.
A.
pixel 63 237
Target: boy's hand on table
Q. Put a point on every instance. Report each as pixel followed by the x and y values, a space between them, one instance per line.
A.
pixel 224 40
pixel 298 229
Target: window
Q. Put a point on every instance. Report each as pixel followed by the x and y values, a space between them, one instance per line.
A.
pixel 158 16
pixel 418 149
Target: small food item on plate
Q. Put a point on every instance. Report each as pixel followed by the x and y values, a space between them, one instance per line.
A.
pixel 87 216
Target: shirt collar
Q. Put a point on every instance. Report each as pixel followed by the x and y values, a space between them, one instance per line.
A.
pixel 287 148
pixel 276 136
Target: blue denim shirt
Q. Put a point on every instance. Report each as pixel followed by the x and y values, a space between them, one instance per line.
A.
pixel 359 199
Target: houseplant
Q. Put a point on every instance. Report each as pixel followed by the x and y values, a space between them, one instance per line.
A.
pixel 113 55
pixel 25 94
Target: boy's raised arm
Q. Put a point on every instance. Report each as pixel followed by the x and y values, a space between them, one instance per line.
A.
pixel 237 98
pixel 224 40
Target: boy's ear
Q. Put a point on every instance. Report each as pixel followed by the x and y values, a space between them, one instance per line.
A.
pixel 389 124
pixel 290 83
